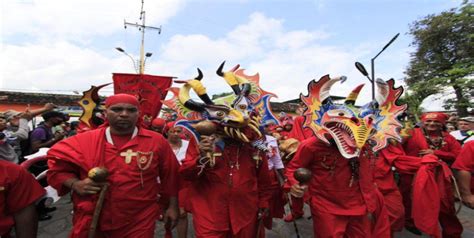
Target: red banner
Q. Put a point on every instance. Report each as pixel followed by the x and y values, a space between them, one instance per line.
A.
pixel 150 90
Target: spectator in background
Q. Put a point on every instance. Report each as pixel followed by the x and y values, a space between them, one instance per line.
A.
pixel 8 138
pixel 465 166
pixel 466 130
pixel 450 127
pixel 18 193
pixel 14 125
pixel 43 136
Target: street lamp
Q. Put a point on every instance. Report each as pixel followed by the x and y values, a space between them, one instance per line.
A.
pixel 129 56
pixel 361 67
pixel 142 66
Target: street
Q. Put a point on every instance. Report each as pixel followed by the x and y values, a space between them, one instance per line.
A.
pixel 60 225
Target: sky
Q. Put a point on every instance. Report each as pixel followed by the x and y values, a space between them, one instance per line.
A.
pixel 57 46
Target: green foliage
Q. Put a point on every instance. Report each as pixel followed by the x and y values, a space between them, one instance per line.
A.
pixel 444 56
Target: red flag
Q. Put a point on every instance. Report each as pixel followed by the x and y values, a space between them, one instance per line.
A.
pixel 150 90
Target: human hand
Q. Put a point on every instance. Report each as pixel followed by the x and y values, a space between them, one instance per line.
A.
pixel 262 212
pixel 206 145
pixel 298 190
pixel 58 135
pixel 426 152
pixel 49 106
pixel 170 217
pixel 86 186
pixel 468 200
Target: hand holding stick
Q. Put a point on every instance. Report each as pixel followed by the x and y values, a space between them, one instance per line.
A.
pixel 98 175
pixel 303 175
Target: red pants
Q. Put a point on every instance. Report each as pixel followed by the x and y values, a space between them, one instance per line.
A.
pixel 327 225
pixel 247 232
pixel 396 211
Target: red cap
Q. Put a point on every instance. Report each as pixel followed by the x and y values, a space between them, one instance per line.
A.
pixel 435 116
pixel 121 98
pixel 158 122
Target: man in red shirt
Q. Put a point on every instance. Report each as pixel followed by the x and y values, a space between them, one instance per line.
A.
pixel 465 166
pixel 134 157
pixel 431 139
pixel 18 193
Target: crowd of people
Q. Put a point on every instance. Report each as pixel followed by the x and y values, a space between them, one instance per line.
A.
pixel 230 188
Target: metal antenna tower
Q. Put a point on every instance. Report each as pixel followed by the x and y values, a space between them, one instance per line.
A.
pixel 142 27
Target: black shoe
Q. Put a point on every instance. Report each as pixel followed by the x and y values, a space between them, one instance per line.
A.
pixel 413 230
pixel 49 209
pixel 44 217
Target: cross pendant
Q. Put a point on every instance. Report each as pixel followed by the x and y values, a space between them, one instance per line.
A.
pixel 128 155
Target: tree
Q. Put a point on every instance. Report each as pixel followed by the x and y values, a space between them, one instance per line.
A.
pixel 444 56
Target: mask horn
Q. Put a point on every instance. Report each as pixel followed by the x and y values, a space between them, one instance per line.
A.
pixel 352 97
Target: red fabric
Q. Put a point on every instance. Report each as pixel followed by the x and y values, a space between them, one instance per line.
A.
pixel 226 198
pixel 327 225
pixel 436 116
pixel 465 161
pixel 158 122
pixel 120 140
pixel 447 218
pixel 249 231
pixel 128 207
pixel 121 98
pixel 417 142
pixel 298 131
pixel 330 191
pixel 429 189
pixel 276 203
pixel 18 189
pixel 151 90
pixel 393 156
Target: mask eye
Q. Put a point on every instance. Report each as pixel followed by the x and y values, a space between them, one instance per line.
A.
pixel 220 114
pixel 242 107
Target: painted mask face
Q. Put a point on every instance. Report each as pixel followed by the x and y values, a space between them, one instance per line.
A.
pixel 349 126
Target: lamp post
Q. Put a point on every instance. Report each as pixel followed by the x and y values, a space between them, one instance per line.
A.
pixel 361 67
pixel 141 69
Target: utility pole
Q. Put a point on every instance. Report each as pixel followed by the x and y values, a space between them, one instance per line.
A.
pixel 142 27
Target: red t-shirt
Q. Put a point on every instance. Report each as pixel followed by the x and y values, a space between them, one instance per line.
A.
pixel 465 161
pixel 18 189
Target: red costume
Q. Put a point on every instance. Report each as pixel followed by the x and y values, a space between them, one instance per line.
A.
pixel 447 152
pixel 130 208
pixel 18 189
pixel 225 199
pixel 340 203
pixel 465 161
pixel 394 156
pixel 300 133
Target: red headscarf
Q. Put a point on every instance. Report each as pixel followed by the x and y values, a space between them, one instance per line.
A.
pixel 435 116
pixel 158 122
pixel 121 98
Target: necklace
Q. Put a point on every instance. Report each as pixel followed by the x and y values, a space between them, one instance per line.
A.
pixel 436 142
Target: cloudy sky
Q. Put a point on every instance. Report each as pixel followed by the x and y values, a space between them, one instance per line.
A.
pixel 65 46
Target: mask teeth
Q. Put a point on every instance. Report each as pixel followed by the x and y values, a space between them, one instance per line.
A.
pixel 256 130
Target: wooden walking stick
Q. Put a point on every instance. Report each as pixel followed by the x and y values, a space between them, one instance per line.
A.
pixel 303 175
pixel 98 175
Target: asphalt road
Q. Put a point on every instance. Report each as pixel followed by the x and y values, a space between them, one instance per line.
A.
pixel 60 225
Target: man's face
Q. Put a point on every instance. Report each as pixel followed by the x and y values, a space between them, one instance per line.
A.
pixel 175 133
pixel 14 121
pixel 432 125
pixel 122 116
pixel 465 126
pixel 57 121
pixel 3 123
